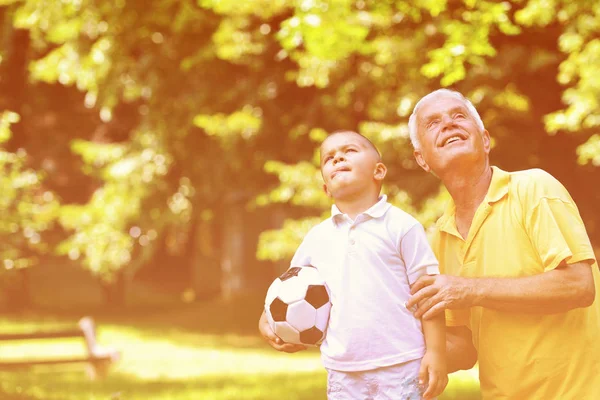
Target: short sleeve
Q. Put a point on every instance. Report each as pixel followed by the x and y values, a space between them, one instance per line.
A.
pixel 417 254
pixel 555 227
pixel 302 255
pixel 460 317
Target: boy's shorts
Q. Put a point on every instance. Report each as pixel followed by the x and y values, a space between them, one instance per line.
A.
pixel 395 382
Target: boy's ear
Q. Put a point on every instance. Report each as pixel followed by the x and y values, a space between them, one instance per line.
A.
pixel 421 160
pixel 380 171
pixel 327 192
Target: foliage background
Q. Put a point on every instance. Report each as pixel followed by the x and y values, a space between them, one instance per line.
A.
pixel 142 128
pixel 171 143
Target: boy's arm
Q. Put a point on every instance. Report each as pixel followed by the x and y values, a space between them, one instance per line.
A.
pixel 434 331
pixel 433 373
pixel 420 260
pixel 274 340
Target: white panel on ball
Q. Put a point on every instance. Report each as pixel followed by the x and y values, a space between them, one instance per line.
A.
pixel 269 317
pixel 323 316
pixel 292 290
pixel 273 291
pixel 287 333
pixel 301 315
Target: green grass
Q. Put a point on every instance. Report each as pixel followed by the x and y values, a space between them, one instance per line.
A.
pixel 203 351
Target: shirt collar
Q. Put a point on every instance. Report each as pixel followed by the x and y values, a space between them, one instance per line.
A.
pixel 498 186
pixel 497 190
pixel 377 210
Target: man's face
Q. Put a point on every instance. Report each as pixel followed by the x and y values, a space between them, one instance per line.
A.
pixel 448 133
pixel 349 164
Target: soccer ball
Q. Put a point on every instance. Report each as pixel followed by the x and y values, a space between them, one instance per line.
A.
pixel 297 306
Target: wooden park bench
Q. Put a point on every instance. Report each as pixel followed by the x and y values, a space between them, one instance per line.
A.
pixel 97 359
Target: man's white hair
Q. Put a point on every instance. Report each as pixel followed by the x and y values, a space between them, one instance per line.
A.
pixel 412 120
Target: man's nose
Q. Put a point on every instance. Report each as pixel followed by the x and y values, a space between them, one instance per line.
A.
pixel 447 121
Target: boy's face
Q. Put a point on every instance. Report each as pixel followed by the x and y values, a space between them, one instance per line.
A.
pixel 350 165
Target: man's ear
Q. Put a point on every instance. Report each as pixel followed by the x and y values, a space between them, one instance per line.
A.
pixel 487 141
pixel 380 171
pixel 421 161
pixel 327 192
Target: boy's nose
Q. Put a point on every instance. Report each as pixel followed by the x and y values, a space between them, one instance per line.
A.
pixel 338 158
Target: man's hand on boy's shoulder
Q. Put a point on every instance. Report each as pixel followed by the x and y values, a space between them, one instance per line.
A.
pixel 274 340
pixel 432 294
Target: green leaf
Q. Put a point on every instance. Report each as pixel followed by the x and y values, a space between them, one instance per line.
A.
pixel 65 31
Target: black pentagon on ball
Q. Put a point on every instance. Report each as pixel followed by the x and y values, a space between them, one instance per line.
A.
pixel 290 273
pixel 278 310
pixel 311 336
pixel 316 295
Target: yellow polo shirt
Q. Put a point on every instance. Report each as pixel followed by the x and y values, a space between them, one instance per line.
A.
pixel 526 225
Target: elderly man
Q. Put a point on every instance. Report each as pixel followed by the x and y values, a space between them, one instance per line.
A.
pixel 519 275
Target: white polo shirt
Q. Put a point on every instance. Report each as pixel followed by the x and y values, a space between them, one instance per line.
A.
pixel 368 265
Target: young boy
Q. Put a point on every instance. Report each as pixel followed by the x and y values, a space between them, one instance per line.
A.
pixel 369 253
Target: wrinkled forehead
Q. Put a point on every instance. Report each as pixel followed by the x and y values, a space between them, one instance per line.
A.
pixel 439 104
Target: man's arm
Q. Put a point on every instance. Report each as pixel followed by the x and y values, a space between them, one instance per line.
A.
pixel 562 289
pixel 461 353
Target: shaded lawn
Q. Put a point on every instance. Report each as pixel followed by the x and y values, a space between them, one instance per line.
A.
pixel 200 351
pixel 119 386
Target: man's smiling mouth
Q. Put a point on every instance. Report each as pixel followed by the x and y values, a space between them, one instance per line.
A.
pixel 452 139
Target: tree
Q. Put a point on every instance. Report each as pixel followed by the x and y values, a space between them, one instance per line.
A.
pixel 492 52
pixel 201 118
pixel 28 213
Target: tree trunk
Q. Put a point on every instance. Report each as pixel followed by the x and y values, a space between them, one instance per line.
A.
pixel 18 293
pixel 205 269
pixel 232 255
pixel 278 217
pixel 115 292
pixel 13 87
pixel 14 74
